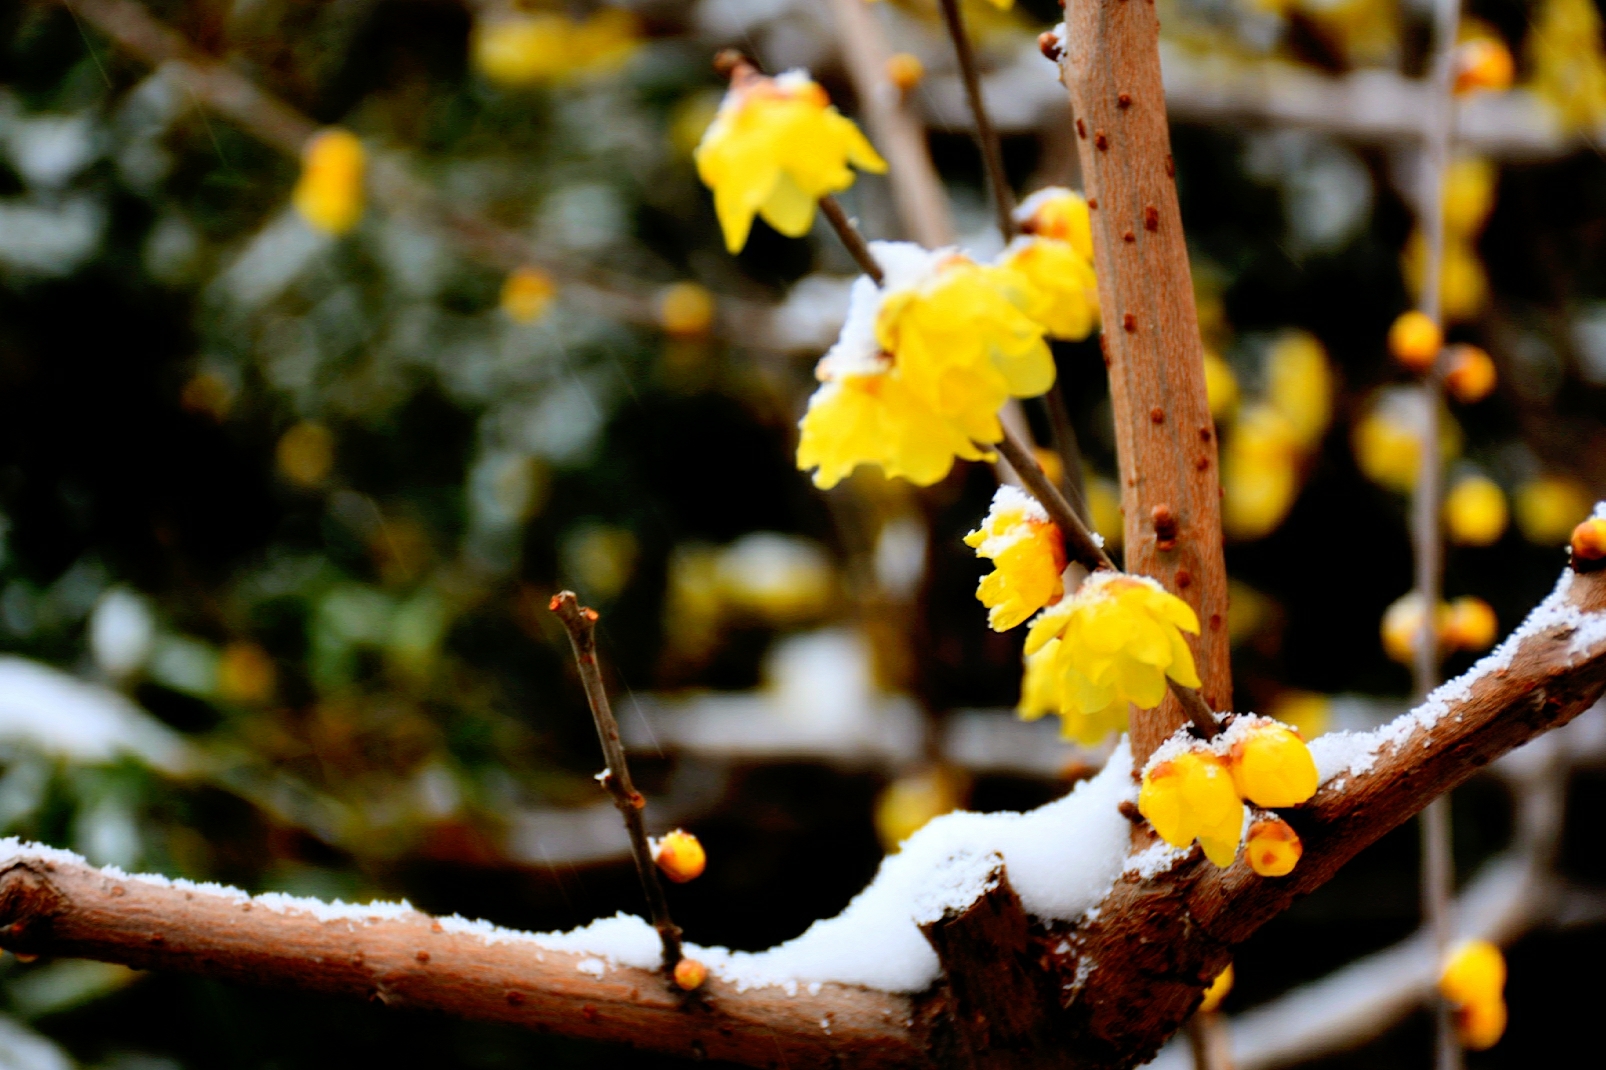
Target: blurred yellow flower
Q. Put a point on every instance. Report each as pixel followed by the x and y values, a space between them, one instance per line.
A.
pixel 1387 439
pixel 1221 387
pixel 1469 192
pixel 1470 625
pixel 905 805
pixel 1028 556
pixel 1058 213
pixel 1299 385
pixel 1483 63
pixel 1218 990
pixel 527 49
pixel 329 194
pixel 1306 711
pixel 245 673
pixel 1474 981
pixel 1104 510
pixel 1569 68
pixel 1470 374
pixel 1061 292
pixel 777 146
pixel 1259 472
pixel 1190 797
pixel 1549 507
pixel 904 70
pixel 527 294
pixel 1467 623
pixel 1270 764
pixel 1475 511
pixel 1273 848
pixel 306 453
pixel 1463 282
pixel 1120 638
pixel 686 310
pixel 1415 340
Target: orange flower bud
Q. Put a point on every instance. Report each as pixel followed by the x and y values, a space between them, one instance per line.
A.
pixel 1589 542
pixel 1483 63
pixel 690 974
pixel 1217 991
pixel 680 856
pixel 1480 1025
pixel 1474 981
pixel 1271 766
pixel 904 70
pixel 1415 341
pixel 1274 847
pixel 526 294
pixel 686 310
pixel 1471 376
pixel 1470 624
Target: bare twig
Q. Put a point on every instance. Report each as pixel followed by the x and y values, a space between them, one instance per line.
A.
pixel 831 208
pixel 1080 545
pixel 991 153
pixel 581 622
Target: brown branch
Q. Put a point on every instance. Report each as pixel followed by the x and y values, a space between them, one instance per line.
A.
pixel 581 623
pixel 1080 545
pixel 1165 438
pixel 831 208
pixel 991 153
pixel 899 133
pixel 50 906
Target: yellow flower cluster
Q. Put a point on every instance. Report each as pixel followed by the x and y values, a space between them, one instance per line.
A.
pixel 776 146
pixel 1028 556
pixel 527 49
pixel 1467 623
pixel 329 194
pixel 1113 642
pixel 1474 982
pixel 1469 192
pixel 1053 262
pixel 1193 790
pixel 1569 68
pixel 1388 439
pixel 921 369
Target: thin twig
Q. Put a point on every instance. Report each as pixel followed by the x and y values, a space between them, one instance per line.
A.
pixel 856 245
pixel 1080 544
pixel 992 155
pixel 581 622
pixel 1437 872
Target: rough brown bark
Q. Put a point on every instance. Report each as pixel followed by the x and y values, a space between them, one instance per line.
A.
pixel 1165 439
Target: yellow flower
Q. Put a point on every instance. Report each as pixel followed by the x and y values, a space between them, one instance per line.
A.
pixel 1402 625
pixel 1104 509
pixel 1270 764
pixel 1475 511
pixel 1299 385
pixel 1273 848
pixel 1470 624
pixel 774 149
pixel 1569 69
pixel 680 856
pixel 1190 797
pixel 907 803
pixel 1549 507
pixel 526 294
pixel 1028 556
pixel 1588 541
pixel 1415 340
pixel 1221 387
pixel 1040 693
pixel 329 194
pixel 1058 213
pixel 904 70
pixel 1473 981
pixel 1217 991
pixel 921 368
pixel 1120 637
pixel 306 453
pixel 1471 375
pixel 527 49
pixel 1469 189
pixel 1259 472
pixel 1463 283
pixel 686 310
pixel 1483 63
pixel 1307 712
pixel 1387 440
pixel 1062 295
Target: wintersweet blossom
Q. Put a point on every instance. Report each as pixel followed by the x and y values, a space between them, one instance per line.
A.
pixel 1028 556
pixel 1058 213
pixel 1271 766
pixel 1273 848
pixel 527 294
pixel 1588 542
pixel 1062 295
pixel 1191 797
pixel 1415 340
pixel 1474 981
pixel 680 856
pixel 1119 638
pixel 329 194
pixel 922 366
pixel 1040 694
pixel 1475 512
pixel 774 149
pixel 690 974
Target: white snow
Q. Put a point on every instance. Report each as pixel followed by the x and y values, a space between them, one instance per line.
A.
pixel 856 352
pixel 63 716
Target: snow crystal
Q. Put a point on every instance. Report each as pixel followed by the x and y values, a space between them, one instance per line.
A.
pixel 595 967
pixel 1183 741
pixel 1159 857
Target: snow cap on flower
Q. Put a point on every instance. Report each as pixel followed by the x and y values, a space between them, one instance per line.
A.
pixel 329 194
pixel 1190 796
pixel 774 149
pixel 1028 556
pixel 1120 637
pixel 1058 213
pixel 1273 848
pixel 1270 764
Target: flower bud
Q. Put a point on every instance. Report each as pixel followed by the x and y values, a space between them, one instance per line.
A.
pixel 1470 625
pixel 686 310
pixel 1482 63
pixel 329 194
pixel 1471 375
pixel 1415 341
pixel 1192 797
pixel 680 856
pixel 1271 766
pixel 690 974
pixel 1474 981
pixel 1217 991
pixel 904 71
pixel 1475 512
pixel 1589 544
pixel 526 294
pixel 1548 507
pixel 1480 1025
pixel 1274 848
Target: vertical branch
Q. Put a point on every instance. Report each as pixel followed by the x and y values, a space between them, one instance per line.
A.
pixel 917 189
pixel 1437 876
pixel 1165 438
pixel 991 154
pixel 581 622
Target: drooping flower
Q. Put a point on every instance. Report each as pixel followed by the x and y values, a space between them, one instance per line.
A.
pixel 1028 556
pixel 1473 981
pixel 922 366
pixel 1273 849
pixel 1120 637
pixel 1058 213
pixel 1191 797
pixel 1040 693
pixel 1270 764
pixel 774 149
pixel 329 194
pixel 1062 294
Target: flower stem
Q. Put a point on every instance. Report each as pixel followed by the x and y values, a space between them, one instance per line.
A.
pixel 1080 544
pixel 581 623
pixel 992 155
pixel 857 246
